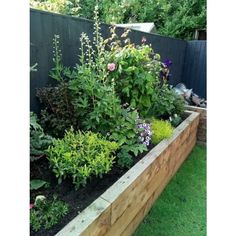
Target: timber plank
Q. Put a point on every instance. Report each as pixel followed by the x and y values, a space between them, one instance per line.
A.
pixel 94 220
pixel 120 209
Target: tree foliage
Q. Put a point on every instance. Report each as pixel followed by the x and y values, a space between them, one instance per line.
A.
pixel 172 18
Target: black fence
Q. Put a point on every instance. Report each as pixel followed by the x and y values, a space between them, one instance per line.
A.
pixel 44 25
pixel 194 71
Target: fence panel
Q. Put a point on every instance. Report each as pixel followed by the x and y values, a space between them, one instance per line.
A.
pixel 44 25
pixel 194 72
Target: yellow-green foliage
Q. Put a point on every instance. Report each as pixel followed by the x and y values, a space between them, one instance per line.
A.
pixel 160 130
pixel 81 155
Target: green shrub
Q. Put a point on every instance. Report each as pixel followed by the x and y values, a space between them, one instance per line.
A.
pixel 86 101
pixel 175 120
pixel 167 103
pixel 160 130
pixel 179 105
pixel 127 133
pixel 94 100
pixel 183 18
pixel 67 7
pixel 136 72
pixel 95 103
pixel 176 18
pixel 46 213
pixel 134 11
pixel 81 155
pixel 39 141
pixel 58 112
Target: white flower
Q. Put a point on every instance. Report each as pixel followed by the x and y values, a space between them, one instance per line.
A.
pixel 39 198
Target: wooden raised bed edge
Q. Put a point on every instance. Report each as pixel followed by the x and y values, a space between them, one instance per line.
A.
pixel 202 127
pixel 120 209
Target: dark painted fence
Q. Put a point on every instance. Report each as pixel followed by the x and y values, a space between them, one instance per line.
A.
pixel 194 71
pixel 44 25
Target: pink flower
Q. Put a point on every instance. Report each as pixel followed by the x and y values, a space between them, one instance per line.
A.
pixel 31 205
pixel 111 66
pixel 143 40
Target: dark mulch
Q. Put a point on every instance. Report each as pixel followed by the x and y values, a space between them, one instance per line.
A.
pixel 77 200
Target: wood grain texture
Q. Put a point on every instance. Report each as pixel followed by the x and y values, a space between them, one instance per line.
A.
pixel 94 220
pixel 120 209
pixel 202 127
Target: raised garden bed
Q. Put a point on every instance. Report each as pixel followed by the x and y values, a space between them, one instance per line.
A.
pixel 202 127
pixel 120 209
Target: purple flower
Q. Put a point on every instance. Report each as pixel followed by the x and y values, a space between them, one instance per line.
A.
pixel 144 131
pixel 146 143
pixel 111 66
pixel 165 71
pixel 167 62
pixel 139 126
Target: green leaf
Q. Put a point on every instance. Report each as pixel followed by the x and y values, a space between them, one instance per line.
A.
pixel 37 183
pixel 126 91
pixel 145 101
pixel 34 123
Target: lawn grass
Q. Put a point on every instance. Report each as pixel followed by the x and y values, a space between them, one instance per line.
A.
pixel 181 208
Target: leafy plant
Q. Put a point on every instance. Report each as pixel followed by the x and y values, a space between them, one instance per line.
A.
pixel 134 11
pixel 172 18
pixel 39 141
pixel 136 73
pixel 95 103
pixel 111 72
pixel 98 103
pixel 175 120
pixel 160 130
pixel 167 103
pixel 82 98
pixel 46 213
pixel 179 105
pixel 183 18
pixel 127 133
pixel 81 155
pixel 94 99
pixel 37 184
pixel 67 7
pixel 58 113
pixel 176 18
pixel 34 125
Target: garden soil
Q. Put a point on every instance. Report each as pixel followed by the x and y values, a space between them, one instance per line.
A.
pixel 77 200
